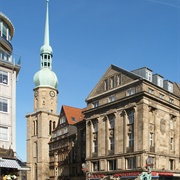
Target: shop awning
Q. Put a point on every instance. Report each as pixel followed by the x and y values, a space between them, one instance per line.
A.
pixel 9 163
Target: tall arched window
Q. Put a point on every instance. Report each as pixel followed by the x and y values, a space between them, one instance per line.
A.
pixel 54 125
pixel 50 127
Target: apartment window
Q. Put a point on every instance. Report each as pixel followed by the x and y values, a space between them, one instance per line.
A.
pixel 112 164
pixel 170 87
pixel 171 164
pixel 112 82
pixel 3 77
pixel 3 105
pixel 4 133
pixel 95 126
pixel 62 119
pixel 130 163
pixel 118 79
pixel 83 135
pixel 151 139
pixel 131 139
pixel 130 91
pixel 5 32
pixel 149 75
pixel 112 98
pixel 111 122
pixel 95 166
pixel 160 81
pixel 96 104
pixel 161 96
pixel 95 144
pixel 150 91
pixel 150 161
pixel 111 142
pixel 171 124
pixel 65 130
pixel 171 143
pixel 131 117
pixel 105 85
pixel 171 100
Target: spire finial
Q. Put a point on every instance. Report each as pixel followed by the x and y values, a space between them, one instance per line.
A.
pixel 46 34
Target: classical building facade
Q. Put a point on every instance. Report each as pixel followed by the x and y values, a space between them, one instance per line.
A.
pixel 133 126
pixel 44 118
pixel 9 69
pixel 67 146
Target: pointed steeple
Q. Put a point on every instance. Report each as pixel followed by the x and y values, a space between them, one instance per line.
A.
pixel 46 77
pixel 46 50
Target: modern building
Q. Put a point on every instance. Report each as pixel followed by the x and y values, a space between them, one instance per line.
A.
pixel 9 70
pixel 44 118
pixel 133 126
pixel 10 65
pixel 67 146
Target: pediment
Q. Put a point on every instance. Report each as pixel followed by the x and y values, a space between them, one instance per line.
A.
pixel 113 78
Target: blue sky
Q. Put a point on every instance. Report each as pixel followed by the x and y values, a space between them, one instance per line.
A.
pixel 87 36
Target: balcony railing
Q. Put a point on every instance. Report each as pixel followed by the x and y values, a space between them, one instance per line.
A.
pixel 14 60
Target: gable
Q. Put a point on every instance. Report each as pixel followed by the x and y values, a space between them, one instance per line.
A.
pixel 113 78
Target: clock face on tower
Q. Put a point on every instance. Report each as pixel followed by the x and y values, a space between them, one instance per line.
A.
pixel 52 93
pixel 35 93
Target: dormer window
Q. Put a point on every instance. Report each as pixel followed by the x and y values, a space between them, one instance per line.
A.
pixel 149 75
pixel 73 119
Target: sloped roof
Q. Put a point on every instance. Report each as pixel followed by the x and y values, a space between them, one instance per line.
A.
pixel 73 114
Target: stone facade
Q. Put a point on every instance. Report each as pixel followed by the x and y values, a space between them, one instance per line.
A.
pixel 67 146
pixel 40 125
pixel 130 119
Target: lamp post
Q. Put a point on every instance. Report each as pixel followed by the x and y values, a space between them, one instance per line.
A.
pixel 147 175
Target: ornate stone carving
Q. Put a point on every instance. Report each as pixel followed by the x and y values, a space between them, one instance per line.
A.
pixel 163 126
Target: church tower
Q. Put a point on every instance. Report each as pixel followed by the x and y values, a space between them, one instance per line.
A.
pixel 43 120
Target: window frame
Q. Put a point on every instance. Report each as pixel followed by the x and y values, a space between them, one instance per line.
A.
pixel 130 162
pixel 95 163
pixel 4 134
pixel 151 141
pixel 130 91
pixel 4 104
pixel 4 77
pixel 112 164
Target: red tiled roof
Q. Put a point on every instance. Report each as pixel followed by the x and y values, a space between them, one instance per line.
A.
pixel 73 114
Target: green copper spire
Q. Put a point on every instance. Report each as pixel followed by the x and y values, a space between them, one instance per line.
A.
pixel 46 50
pixel 46 77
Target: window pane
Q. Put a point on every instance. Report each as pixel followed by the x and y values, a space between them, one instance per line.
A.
pixel 4 133
pixel 3 77
pixel 131 117
pixel 3 105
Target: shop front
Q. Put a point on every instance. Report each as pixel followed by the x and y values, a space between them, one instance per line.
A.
pixel 135 176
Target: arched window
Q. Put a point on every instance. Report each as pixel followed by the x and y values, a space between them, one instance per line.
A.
pixel 54 125
pixel 50 127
